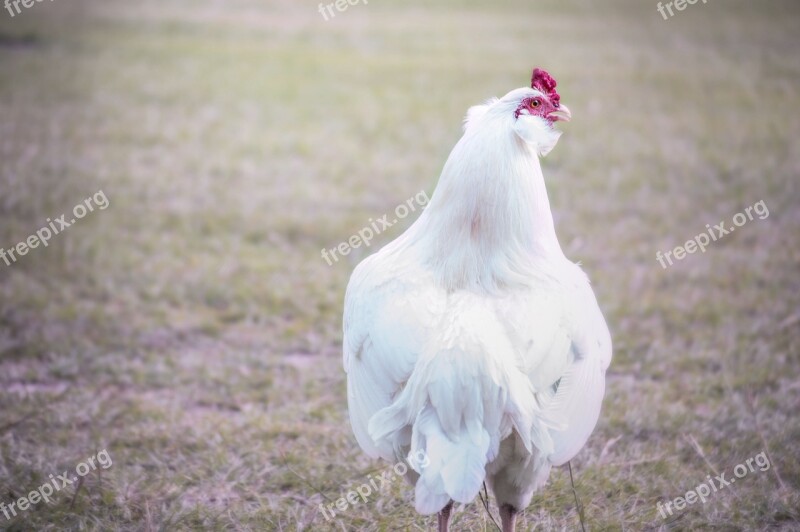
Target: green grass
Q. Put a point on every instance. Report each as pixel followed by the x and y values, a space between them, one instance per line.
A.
pixel 193 330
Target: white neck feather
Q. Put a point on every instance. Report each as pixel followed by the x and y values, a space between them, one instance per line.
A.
pixel 488 224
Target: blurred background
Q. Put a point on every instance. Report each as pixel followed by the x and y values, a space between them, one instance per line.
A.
pixel 192 330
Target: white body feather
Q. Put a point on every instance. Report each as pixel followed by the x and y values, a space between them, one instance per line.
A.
pixel 471 337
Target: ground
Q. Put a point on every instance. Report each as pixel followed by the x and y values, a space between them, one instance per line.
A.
pixel 192 330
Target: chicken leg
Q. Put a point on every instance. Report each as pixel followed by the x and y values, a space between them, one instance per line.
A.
pixel 444 517
pixel 508 516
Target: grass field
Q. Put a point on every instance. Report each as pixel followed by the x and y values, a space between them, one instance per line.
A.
pixel 193 331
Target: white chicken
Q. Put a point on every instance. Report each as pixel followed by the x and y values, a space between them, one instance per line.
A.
pixel 471 338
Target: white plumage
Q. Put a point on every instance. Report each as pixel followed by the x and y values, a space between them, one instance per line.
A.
pixel 471 337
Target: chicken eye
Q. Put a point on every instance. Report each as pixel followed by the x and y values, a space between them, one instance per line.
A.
pixel 535 103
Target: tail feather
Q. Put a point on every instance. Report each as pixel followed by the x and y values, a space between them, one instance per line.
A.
pixel 460 405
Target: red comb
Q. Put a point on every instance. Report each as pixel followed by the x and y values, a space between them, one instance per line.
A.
pixel 544 82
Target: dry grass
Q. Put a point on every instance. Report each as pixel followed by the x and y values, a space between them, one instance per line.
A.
pixel 193 330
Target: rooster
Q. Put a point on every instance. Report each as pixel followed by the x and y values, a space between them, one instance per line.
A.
pixel 471 339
